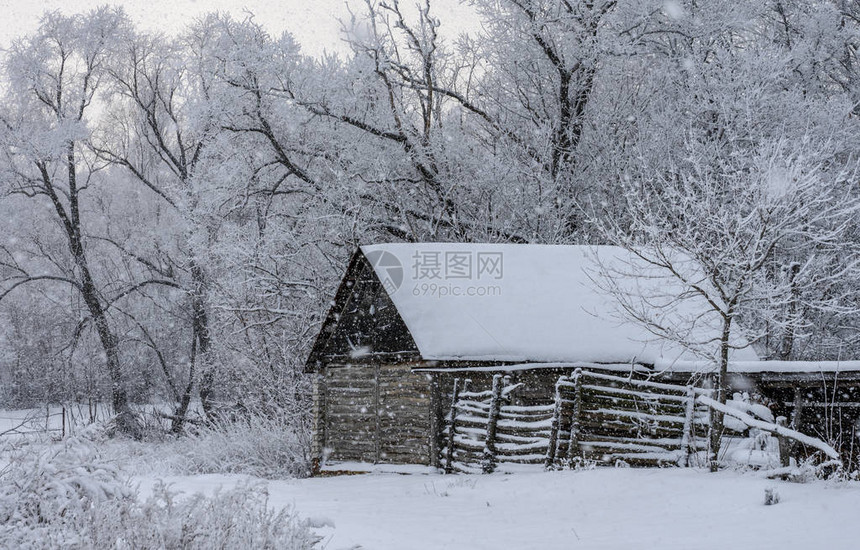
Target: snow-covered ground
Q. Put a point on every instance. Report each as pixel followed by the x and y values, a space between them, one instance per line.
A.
pixel 603 508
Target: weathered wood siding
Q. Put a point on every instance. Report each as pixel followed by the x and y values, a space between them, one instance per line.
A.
pixel 404 413
pixel 318 410
pixel 377 413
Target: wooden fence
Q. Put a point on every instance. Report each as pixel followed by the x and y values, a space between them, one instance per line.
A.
pixel 55 422
pixel 593 416
pixel 484 429
pixel 608 418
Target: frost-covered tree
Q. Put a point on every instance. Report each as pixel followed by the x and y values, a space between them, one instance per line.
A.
pixel 271 212
pixel 152 133
pixel 715 226
pixel 739 163
pixel 53 78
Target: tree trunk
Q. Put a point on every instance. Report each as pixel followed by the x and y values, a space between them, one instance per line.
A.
pixel 184 401
pixel 715 434
pixel 787 344
pixel 201 338
pixel 126 421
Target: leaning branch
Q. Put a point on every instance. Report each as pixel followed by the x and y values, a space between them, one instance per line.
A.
pixel 38 278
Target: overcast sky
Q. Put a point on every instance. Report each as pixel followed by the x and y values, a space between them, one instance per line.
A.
pixel 314 23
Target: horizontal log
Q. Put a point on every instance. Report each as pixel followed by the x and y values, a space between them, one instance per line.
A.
pixel 662 442
pixel 344 447
pixel 405 385
pixel 603 425
pixel 466 429
pixel 528 410
pixel 535 458
pixel 642 461
pixel 467 456
pixel 368 416
pixel 348 409
pixel 462 468
pixel 404 449
pixel 403 435
pixel 525 417
pixel 343 395
pixel 619 447
pixel 350 396
pixel 517 449
pixel 599 400
pixel 468 445
pixel 639 393
pixel 610 380
pixel 639 417
pixel 472 421
pixel 417 459
pixel 367 433
pixel 525 439
pixel 357 377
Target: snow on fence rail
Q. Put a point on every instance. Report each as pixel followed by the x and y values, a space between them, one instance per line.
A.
pixel 484 431
pixel 593 416
pixel 608 418
pixel 777 429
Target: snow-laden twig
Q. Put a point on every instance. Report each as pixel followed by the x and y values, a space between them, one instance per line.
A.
pixel 769 427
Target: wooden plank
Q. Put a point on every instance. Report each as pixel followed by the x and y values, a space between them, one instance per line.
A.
pixel 674 442
pixel 619 447
pixel 596 400
pixel 343 415
pixel 552 444
pixel 575 418
pixel 452 422
pixel 532 460
pixel 630 392
pixel 638 417
pixel 376 408
pixel 601 425
pixel 488 464
pixel 610 380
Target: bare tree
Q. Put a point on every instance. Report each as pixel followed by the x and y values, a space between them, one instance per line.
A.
pixel 714 229
pixel 53 80
pixel 151 137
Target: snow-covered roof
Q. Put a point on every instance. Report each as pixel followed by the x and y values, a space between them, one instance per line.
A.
pixel 818 368
pixel 510 302
pixel 761 367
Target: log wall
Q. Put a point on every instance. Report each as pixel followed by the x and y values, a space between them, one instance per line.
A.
pixel 377 413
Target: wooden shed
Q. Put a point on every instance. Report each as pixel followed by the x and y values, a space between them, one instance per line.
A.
pixel 410 319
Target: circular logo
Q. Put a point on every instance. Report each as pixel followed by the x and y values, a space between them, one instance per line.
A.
pixel 388 268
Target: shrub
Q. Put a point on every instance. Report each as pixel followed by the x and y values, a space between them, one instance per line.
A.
pixel 263 446
pixel 68 496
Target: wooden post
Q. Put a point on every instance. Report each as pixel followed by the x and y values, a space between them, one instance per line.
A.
pixel 489 463
pixel 436 421
pixel 319 414
pixel 452 427
pixel 784 444
pixel 798 409
pixel 796 417
pixel 552 448
pixel 377 443
pixel 64 422
pixel 573 449
pixel 688 438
